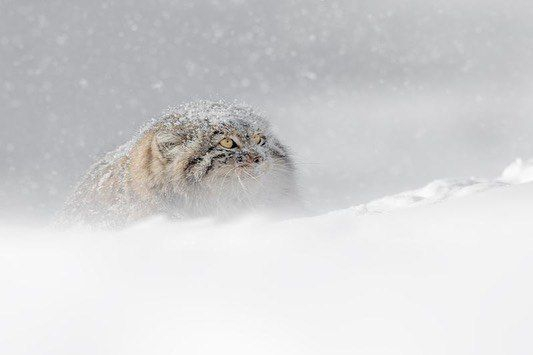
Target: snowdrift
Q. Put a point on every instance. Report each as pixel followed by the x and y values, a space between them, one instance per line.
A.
pixel 436 278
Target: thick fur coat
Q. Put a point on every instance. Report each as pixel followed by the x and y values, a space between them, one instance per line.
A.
pixel 199 159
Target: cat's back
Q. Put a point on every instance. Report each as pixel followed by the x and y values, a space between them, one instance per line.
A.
pixel 102 191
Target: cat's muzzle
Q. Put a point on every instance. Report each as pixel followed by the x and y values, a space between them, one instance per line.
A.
pixel 248 159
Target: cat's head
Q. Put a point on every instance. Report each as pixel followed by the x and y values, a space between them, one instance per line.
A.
pixel 217 145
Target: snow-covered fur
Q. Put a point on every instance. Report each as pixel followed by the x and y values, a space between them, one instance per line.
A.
pixel 178 166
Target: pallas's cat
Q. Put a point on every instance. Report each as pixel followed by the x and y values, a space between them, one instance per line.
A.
pixel 199 159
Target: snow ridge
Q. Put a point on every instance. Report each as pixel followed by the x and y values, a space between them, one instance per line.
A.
pixel 518 172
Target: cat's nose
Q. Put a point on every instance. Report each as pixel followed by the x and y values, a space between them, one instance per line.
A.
pixel 248 159
pixel 255 159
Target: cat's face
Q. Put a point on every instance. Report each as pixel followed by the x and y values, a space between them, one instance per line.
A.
pixel 237 148
pixel 225 144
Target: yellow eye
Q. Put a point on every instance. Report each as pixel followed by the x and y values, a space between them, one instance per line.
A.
pixel 228 143
pixel 259 139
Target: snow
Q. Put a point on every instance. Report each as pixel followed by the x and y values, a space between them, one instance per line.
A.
pixel 373 97
pixel 449 275
pixel 518 172
pixel 436 191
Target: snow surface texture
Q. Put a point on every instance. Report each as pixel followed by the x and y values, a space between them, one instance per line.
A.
pixel 517 173
pixel 439 278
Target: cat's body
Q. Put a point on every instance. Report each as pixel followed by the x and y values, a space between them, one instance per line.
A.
pixel 200 159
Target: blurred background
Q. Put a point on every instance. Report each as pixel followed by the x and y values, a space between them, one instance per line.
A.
pixel 373 96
